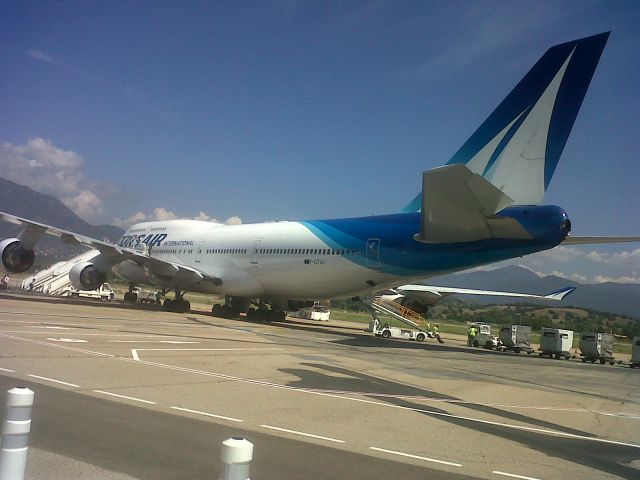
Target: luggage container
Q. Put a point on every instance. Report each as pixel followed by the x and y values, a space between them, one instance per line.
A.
pixel 516 338
pixel 555 342
pixel 635 353
pixel 597 347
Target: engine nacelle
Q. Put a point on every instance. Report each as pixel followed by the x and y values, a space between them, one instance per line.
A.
pixel 16 258
pixel 86 276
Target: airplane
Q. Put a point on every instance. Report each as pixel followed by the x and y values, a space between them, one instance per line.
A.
pixel 483 206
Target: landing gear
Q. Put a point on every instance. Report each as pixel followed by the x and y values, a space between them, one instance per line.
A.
pixel 234 305
pixel 179 305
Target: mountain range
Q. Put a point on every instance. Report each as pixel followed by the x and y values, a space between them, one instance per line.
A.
pixel 24 202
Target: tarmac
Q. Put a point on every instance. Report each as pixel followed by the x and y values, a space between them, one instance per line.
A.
pixel 133 393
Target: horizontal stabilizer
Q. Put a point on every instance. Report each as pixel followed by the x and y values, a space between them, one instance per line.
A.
pixel 572 240
pixel 460 206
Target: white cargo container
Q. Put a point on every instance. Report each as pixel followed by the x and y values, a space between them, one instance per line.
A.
pixel 516 338
pixel 556 342
pixel 635 353
pixel 597 346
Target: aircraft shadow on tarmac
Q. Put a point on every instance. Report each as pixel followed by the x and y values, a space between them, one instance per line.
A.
pixel 609 458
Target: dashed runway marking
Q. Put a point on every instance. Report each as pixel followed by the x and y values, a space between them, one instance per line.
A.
pixel 54 381
pixel 513 475
pixel 417 457
pixel 295 432
pixel 126 397
pixel 206 414
pixel 333 395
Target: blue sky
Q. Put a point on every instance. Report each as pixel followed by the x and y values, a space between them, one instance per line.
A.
pixel 259 111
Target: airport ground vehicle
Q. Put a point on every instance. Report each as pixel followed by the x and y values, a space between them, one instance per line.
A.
pixel 516 338
pixel 597 347
pixel 556 342
pixel 316 312
pixel 635 353
pixel 385 331
pixel 104 293
pixel 485 338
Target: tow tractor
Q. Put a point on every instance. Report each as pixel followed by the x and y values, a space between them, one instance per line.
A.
pixel 385 331
pixel 485 338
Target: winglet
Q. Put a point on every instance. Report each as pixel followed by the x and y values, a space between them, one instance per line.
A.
pixel 560 294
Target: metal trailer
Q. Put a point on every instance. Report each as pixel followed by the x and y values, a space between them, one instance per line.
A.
pixel 635 353
pixel 556 342
pixel 597 346
pixel 516 338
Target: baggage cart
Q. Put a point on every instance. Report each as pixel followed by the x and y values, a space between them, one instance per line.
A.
pixel 556 342
pixel 597 347
pixel 516 338
pixel 635 353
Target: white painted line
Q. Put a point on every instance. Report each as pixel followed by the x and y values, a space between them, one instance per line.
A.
pixel 67 340
pixel 55 381
pixel 147 341
pixel 124 396
pixel 303 434
pixel 513 475
pixel 136 356
pixel 207 414
pixel 326 394
pixel 418 457
pixel 7 370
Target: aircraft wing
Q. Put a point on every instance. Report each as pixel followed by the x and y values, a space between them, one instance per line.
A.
pixel 32 231
pixel 430 295
pixel 572 240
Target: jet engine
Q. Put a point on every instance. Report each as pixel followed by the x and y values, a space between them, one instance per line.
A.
pixel 86 276
pixel 16 258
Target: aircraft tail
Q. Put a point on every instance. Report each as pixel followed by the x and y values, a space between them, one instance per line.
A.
pixel 518 146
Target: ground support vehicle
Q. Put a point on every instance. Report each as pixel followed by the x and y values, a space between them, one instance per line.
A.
pixel 597 347
pixel 149 297
pixel 556 342
pixel 485 338
pixel 317 312
pixel 516 338
pixel 635 353
pixel 385 331
pixel 104 293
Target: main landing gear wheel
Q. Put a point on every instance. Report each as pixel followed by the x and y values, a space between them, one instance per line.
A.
pixel 179 305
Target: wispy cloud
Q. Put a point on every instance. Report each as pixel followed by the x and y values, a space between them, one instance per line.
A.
pixel 40 55
pixel 164 214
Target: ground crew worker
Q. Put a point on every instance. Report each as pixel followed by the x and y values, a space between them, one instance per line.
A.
pixel 470 336
pixel 473 332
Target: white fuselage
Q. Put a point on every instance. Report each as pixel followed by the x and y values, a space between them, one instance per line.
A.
pixel 269 260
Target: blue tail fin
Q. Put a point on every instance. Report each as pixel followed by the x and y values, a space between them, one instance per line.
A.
pixel 518 146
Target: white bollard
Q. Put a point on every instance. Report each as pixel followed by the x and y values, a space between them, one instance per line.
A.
pixel 236 454
pixel 15 434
